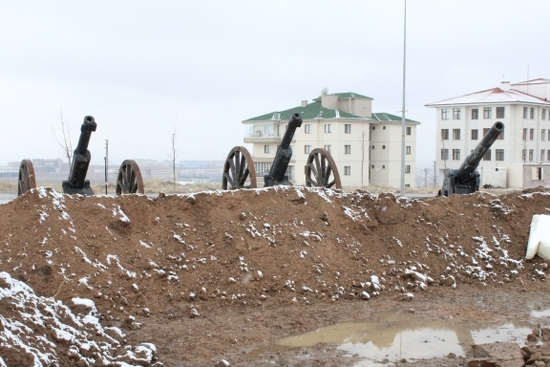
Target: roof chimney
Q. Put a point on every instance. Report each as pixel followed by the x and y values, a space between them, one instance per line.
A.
pixel 304 103
pixel 505 86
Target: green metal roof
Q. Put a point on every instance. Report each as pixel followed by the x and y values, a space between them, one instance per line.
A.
pixel 310 111
pixel 387 117
pixel 314 110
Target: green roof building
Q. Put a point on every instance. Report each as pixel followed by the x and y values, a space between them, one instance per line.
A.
pixel 365 146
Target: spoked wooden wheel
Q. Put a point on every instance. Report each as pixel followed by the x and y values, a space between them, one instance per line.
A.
pixel 129 179
pixel 27 180
pixel 238 171
pixel 321 170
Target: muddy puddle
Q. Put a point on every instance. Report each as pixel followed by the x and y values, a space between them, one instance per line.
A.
pixel 394 337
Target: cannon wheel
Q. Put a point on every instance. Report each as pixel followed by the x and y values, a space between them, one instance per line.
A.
pixel 237 169
pixel 321 170
pixel 27 179
pixel 129 179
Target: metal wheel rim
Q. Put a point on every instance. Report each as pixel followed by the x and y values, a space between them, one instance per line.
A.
pixel 237 169
pixel 129 179
pixel 27 179
pixel 321 170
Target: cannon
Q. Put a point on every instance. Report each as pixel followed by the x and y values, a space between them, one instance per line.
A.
pixel 77 183
pixel 465 180
pixel 129 178
pixel 239 171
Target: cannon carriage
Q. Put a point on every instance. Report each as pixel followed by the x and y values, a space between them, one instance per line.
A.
pixel 129 178
pixel 321 171
pixel 466 179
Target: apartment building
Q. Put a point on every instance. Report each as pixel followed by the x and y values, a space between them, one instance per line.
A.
pixel 365 146
pixel 520 157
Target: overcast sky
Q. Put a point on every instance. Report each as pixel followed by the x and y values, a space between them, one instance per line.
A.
pixel 142 68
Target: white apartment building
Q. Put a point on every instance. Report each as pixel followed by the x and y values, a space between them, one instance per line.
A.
pixel 520 157
pixel 365 146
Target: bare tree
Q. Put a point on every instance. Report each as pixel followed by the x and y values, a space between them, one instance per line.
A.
pixel 64 140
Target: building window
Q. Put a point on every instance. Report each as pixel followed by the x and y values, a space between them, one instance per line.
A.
pixel 532 113
pixel 531 134
pixel 307 149
pixel 475 114
pixel 487 112
pixel 372 166
pixel 328 128
pixel 524 137
pixel 383 127
pixel 548 155
pixel 456 134
pixel 408 149
pixel 307 128
pixel 523 155
pixel 543 134
pixel 456 154
pixel 373 147
pixel 347 149
pixel 444 114
pixel 347 128
pixel 525 112
pixel 487 155
pixel 543 114
pixel 408 130
pixel 474 134
pixel 500 112
pixel 456 113
pixel 408 168
pixel 383 147
pixel 542 155
pixel 383 166
pixel 531 154
pixel 267 149
pixel 374 127
pixel 444 154
pixel 347 170
pixel 444 134
pixel 328 148
pixel 499 154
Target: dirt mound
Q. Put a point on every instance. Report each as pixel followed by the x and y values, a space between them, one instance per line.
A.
pixel 188 256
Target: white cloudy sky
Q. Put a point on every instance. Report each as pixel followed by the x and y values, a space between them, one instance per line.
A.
pixel 142 67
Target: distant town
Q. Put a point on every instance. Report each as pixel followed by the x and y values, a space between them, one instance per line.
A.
pixel 48 170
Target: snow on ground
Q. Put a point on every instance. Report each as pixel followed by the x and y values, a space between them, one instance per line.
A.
pixel 40 331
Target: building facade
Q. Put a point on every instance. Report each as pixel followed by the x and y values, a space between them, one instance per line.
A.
pixel 520 157
pixel 365 146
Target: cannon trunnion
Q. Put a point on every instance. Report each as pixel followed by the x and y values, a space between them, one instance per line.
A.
pixel 465 180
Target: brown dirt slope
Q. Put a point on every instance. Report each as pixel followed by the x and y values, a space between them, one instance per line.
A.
pixel 294 246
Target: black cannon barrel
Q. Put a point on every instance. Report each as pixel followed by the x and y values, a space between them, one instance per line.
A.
pixel 471 162
pixel 88 127
pixel 278 168
pixel 294 123
pixel 77 183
